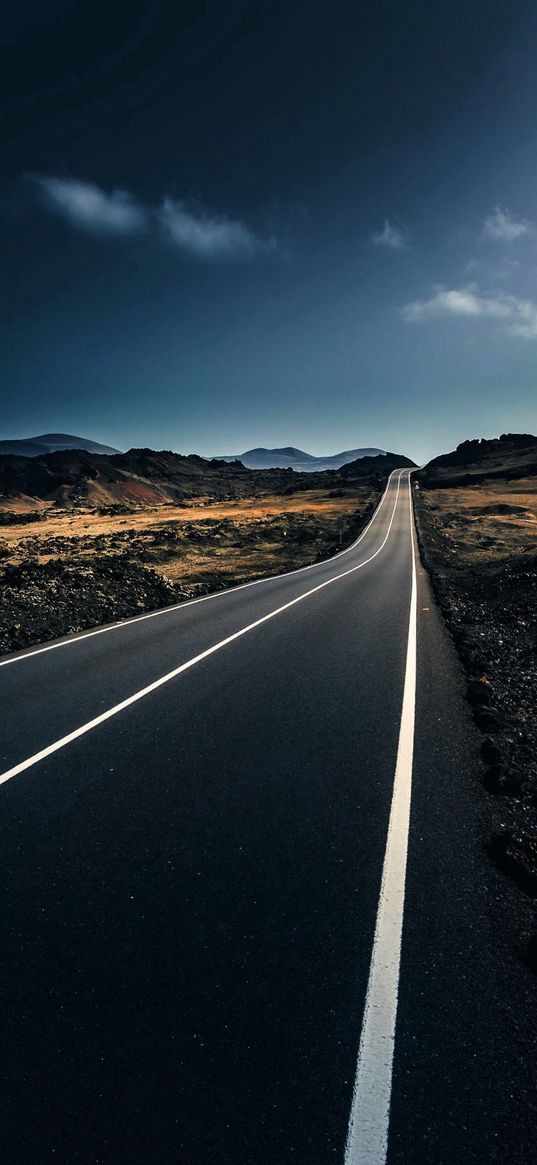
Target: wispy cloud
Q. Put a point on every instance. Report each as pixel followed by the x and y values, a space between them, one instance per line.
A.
pixel 392 236
pixel 518 317
pixel 503 227
pixel 91 209
pixel 207 236
pixel 199 233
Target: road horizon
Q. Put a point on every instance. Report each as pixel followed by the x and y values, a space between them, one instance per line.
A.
pixel 216 947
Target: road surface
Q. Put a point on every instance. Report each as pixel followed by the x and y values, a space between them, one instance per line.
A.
pixel 245 914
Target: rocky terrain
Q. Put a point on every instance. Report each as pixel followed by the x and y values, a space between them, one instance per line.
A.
pixel 45 600
pixel 88 539
pixel 144 477
pixel 54 584
pixel 505 458
pixel 479 544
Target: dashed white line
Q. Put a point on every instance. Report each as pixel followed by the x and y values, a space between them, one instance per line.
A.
pixel 117 708
pixel 367 1139
pixel 75 639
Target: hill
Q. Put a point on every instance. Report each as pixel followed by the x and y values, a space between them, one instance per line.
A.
pixel 513 455
pixel 51 443
pixel 147 477
pixel 297 459
pixel 141 477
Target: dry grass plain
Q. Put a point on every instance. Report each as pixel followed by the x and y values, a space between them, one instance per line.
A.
pixel 189 544
pixel 486 522
pixel 63 570
pixel 479 544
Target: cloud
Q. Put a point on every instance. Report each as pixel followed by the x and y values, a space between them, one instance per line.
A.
pixel 91 209
pixel 199 233
pixel 523 319
pixel 503 227
pixel 518 316
pixel 506 267
pixel 207 236
pixel 391 236
pixel 462 301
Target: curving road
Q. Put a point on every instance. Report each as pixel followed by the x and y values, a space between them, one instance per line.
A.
pixel 207 948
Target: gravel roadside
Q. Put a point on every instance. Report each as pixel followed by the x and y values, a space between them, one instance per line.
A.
pixel 491 613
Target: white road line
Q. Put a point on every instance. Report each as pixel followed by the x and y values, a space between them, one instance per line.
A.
pixel 74 639
pixel 367 1138
pixel 91 724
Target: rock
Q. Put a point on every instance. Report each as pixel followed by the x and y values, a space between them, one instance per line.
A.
pixel 516 854
pixel 478 692
pixel 500 779
pixel 531 952
pixel 41 601
pixel 488 719
pixel 491 752
pixel 476 661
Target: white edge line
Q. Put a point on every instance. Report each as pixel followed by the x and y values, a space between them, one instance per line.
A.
pixel 367 1137
pixel 78 732
pixel 19 657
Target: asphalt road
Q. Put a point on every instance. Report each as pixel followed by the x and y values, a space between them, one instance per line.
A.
pixel 194 826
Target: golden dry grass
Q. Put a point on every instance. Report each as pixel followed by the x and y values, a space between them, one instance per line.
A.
pixel 489 521
pixel 199 544
pixel 86 524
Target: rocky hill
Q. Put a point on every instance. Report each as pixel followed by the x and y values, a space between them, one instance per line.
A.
pixel 510 456
pixel 146 477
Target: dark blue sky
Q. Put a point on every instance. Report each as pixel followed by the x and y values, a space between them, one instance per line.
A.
pixel 231 224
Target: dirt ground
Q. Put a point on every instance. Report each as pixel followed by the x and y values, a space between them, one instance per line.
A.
pixel 489 521
pixel 185 543
pixel 92 523
pixel 480 547
pixel 71 569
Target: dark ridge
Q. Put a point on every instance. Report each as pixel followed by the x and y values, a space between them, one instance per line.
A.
pixel 150 476
pixel 509 456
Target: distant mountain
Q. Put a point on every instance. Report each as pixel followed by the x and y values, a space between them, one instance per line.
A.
pixel 512 455
pixel 51 443
pixel 142 477
pixel 297 459
pixel 286 458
